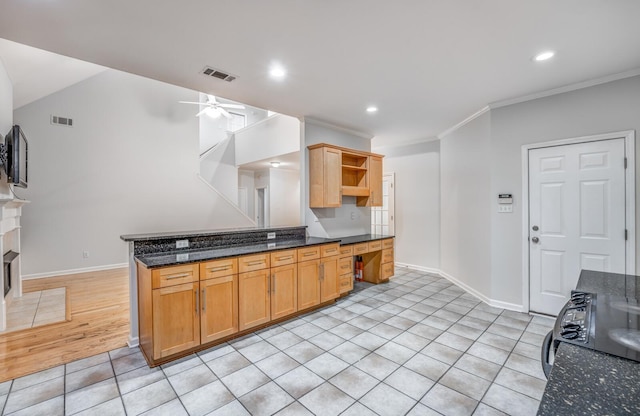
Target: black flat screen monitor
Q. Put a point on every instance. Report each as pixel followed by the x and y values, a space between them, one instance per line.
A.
pixel 17 157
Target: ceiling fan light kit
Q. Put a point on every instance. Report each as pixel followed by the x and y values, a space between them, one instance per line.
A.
pixel 213 108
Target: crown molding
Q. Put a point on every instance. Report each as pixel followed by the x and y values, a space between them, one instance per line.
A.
pixel 463 122
pixel 566 88
pixel 325 124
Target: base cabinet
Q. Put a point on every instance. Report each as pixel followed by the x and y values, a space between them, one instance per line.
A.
pixel 308 284
pixel 254 301
pixel 329 288
pixel 176 319
pixel 284 291
pixel 219 299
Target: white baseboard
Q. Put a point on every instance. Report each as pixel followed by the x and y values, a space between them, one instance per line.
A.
pixel 419 268
pixel 74 271
pixel 133 342
pixel 467 288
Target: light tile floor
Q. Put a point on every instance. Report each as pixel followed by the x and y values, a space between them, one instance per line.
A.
pixel 36 308
pixel 417 346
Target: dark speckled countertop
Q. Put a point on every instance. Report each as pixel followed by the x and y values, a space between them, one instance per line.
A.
pixel 363 238
pixel 588 382
pixel 156 260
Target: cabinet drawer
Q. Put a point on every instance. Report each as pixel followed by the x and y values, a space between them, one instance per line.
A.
pixel 218 268
pixel 387 255
pixel 281 258
pixel 346 251
pixel 255 262
pixel 387 243
pixel 386 271
pixel 346 283
pixel 329 250
pixel 175 275
pixel 360 248
pixel 375 245
pixel 345 266
pixel 309 253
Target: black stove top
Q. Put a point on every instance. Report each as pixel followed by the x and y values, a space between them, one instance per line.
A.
pixel 606 323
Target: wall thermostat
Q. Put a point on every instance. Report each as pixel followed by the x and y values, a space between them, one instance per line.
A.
pixel 505 199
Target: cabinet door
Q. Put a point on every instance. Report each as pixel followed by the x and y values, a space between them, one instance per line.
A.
pixel 329 288
pixel 176 320
pixel 332 177
pixel 219 300
pixel 375 181
pixel 284 290
pixel 253 294
pixel 308 284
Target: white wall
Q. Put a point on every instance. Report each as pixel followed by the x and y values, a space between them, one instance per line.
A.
pixel 219 169
pixel 609 107
pixel 284 197
pixel 129 165
pixel 246 180
pixel 275 136
pixel 6 121
pixel 465 188
pixel 417 196
pixel 333 222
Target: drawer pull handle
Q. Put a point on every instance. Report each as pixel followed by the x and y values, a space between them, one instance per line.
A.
pixel 309 254
pixel 255 263
pixel 218 269
pixel 177 276
pixel 285 258
pixel 331 250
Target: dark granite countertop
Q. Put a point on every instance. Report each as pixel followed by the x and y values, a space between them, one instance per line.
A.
pixel 589 382
pixel 156 260
pixel 198 233
pixel 363 238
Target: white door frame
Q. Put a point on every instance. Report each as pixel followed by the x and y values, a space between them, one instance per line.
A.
pixel 630 198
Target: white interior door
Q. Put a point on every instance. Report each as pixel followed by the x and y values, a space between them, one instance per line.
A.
pixel 383 218
pixel 576 217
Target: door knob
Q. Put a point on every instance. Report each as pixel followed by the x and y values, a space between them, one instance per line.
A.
pixel 535 228
pixel 535 239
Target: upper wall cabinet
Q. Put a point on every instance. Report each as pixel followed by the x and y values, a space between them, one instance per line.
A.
pixel 335 172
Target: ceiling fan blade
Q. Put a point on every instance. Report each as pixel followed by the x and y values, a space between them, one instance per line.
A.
pixel 238 106
pixel 201 112
pixel 191 102
pixel 224 112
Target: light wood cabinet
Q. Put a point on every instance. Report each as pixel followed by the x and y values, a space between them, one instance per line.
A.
pixel 336 171
pixel 219 300
pixel 254 300
pixel 308 284
pixel 284 290
pixel 325 177
pixel 185 306
pixel 378 261
pixel 329 288
pixel 176 322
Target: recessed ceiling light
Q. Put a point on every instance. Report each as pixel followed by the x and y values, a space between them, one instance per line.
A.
pixel 275 164
pixel 372 109
pixel 544 56
pixel 277 72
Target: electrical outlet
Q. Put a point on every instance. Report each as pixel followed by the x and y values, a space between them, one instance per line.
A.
pixel 85 254
pixel 271 236
pixel 182 243
pixel 353 216
pixel 505 208
pixel 182 257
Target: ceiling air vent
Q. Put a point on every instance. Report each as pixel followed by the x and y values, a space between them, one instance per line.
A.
pixel 216 73
pixel 62 121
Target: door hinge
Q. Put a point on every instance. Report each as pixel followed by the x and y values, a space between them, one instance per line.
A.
pixel 626 235
pixel 625 162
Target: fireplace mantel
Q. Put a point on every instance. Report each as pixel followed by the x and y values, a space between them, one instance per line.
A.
pixel 10 213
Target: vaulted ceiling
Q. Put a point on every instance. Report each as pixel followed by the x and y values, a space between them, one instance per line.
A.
pixel 425 64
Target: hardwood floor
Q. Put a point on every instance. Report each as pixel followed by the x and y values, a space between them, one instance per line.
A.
pixel 99 312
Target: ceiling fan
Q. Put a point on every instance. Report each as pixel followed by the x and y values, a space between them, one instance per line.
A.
pixel 213 108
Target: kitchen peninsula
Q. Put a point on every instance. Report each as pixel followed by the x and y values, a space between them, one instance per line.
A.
pixel 191 290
